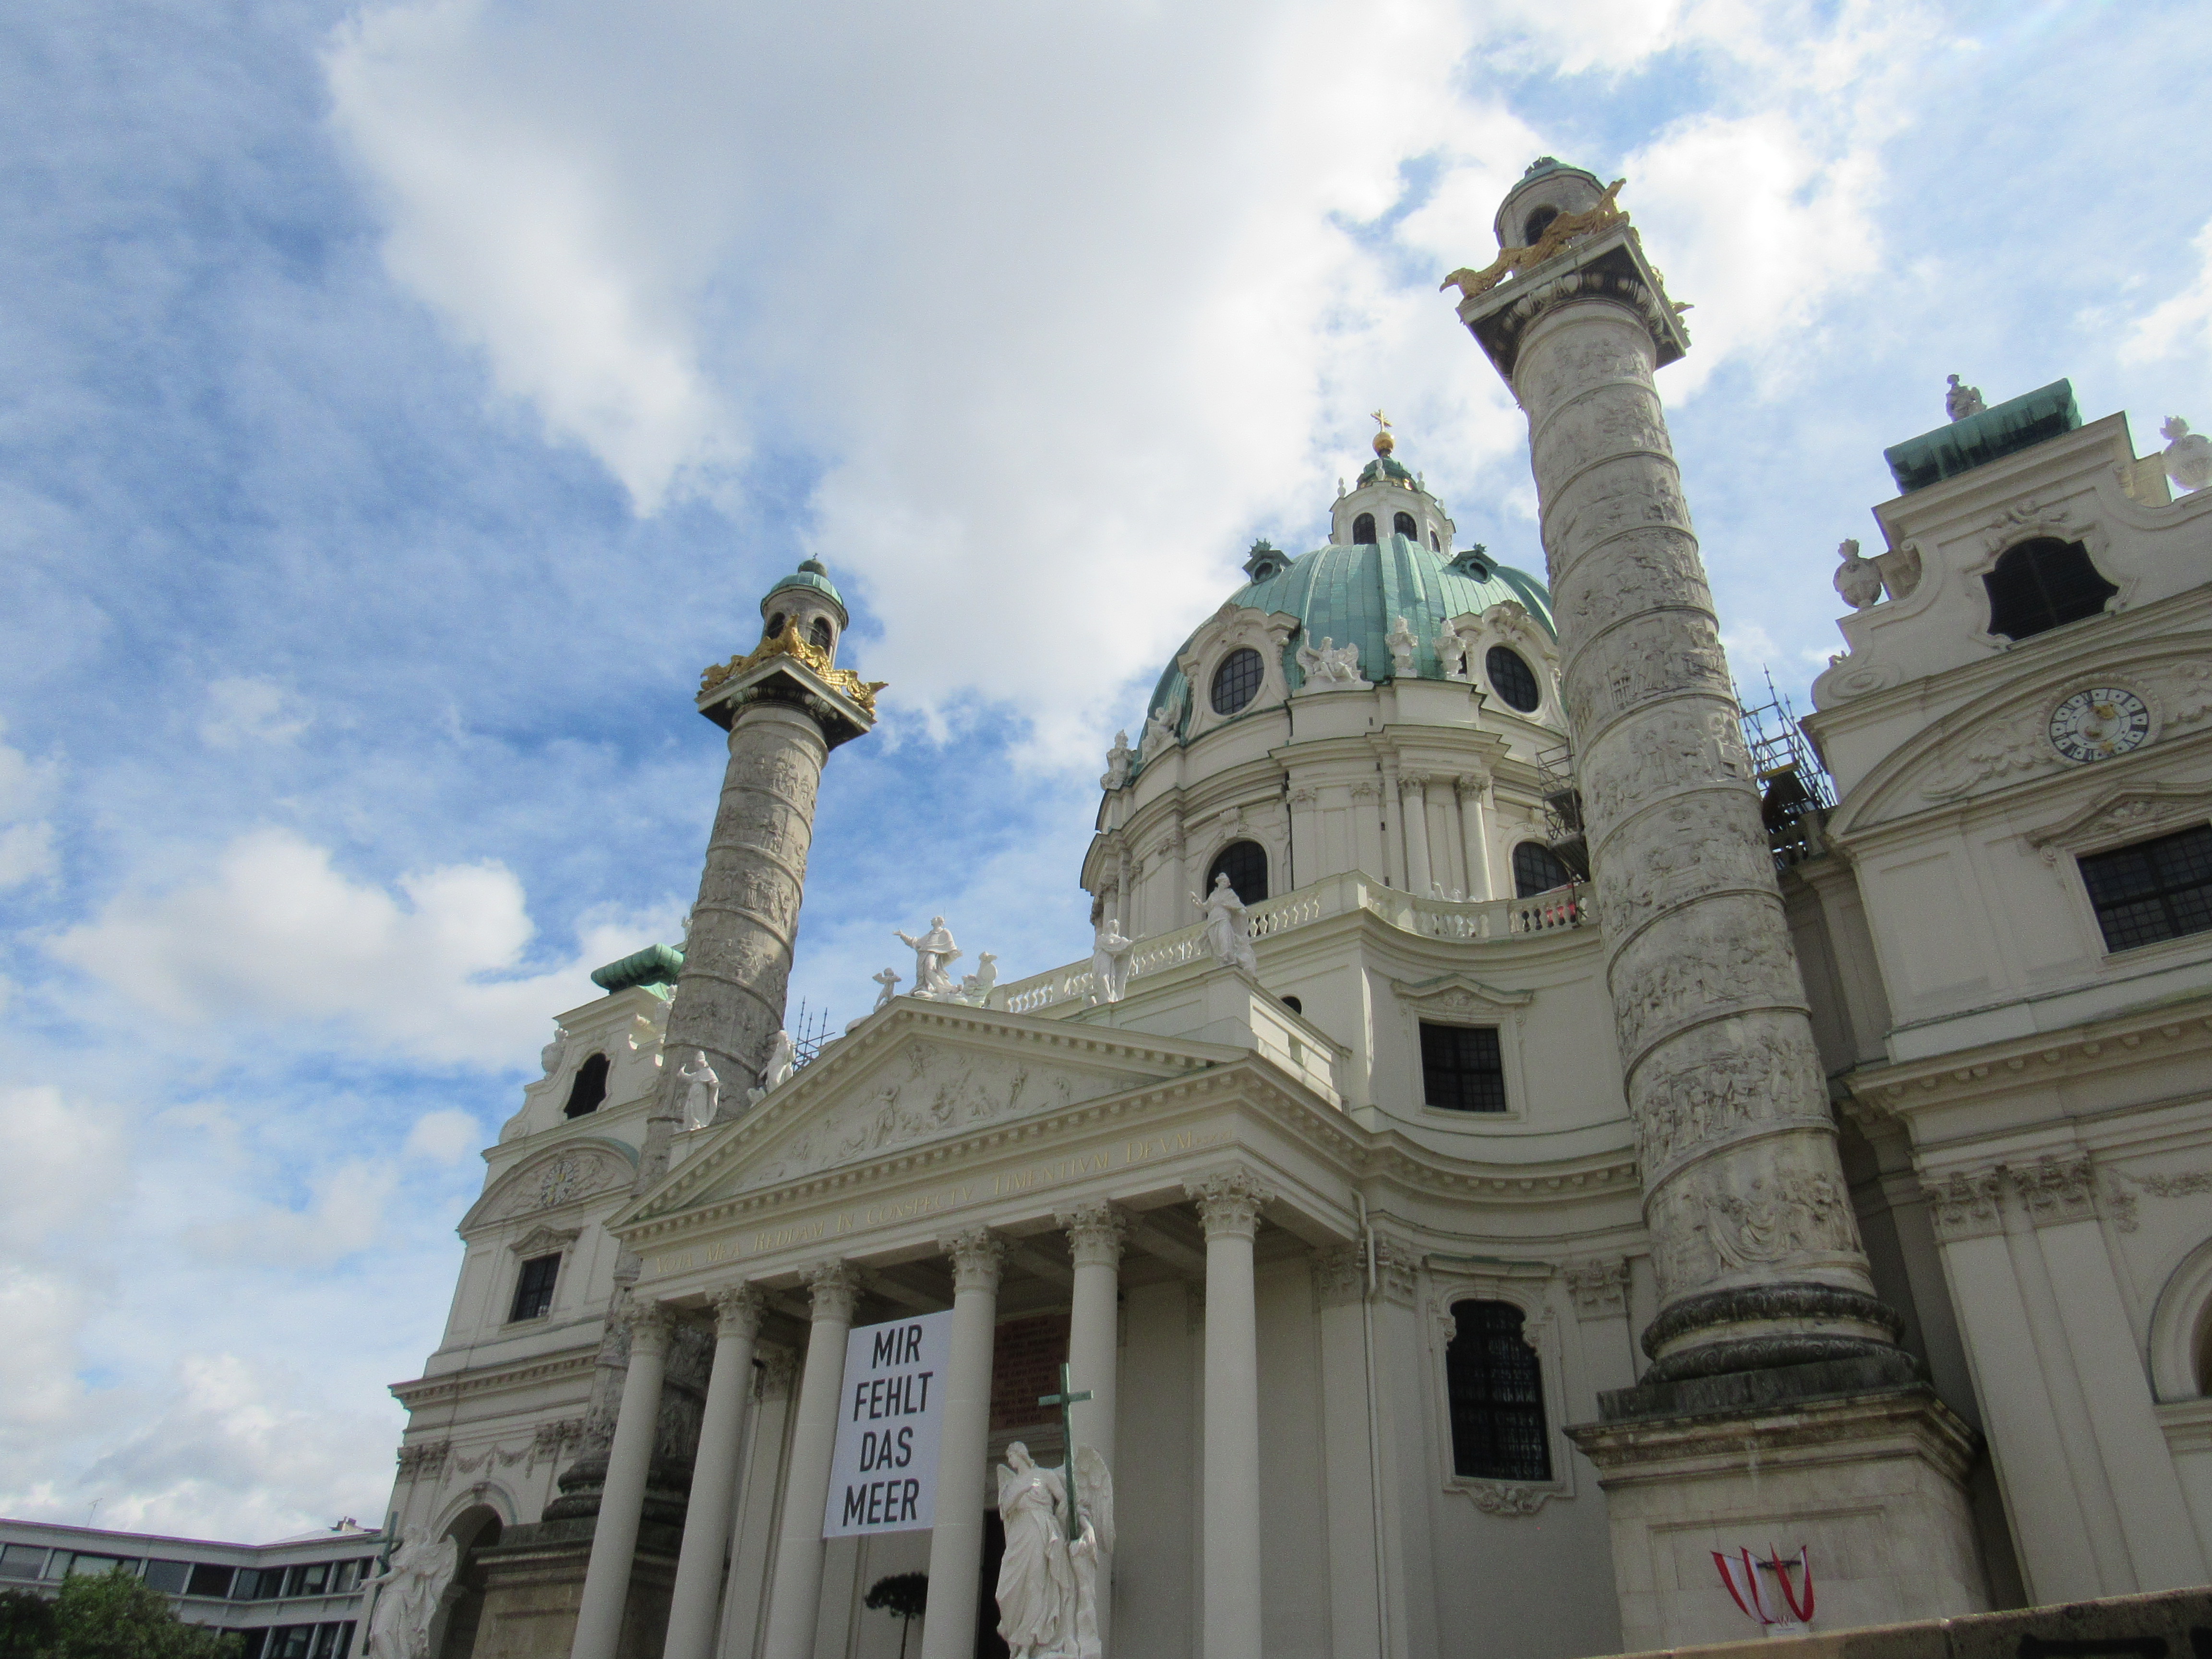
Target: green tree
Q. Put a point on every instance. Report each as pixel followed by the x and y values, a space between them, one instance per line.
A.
pixel 26 1624
pixel 903 1595
pixel 109 1615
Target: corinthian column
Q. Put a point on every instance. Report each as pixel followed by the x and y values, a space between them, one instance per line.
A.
pixel 614 1540
pixel 1413 811
pixel 1229 1205
pixel 956 1542
pixel 794 1597
pixel 1758 1258
pixel 697 1595
pixel 1094 1232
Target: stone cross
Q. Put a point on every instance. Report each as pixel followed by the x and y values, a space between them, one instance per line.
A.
pixel 1066 1400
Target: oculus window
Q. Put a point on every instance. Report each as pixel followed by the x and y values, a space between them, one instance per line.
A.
pixel 533 1289
pixel 2153 891
pixel 1496 1386
pixel 1363 530
pixel 1513 679
pixel 1245 864
pixel 590 1087
pixel 2042 585
pixel 1462 1068
pixel 1237 682
pixel 1537 869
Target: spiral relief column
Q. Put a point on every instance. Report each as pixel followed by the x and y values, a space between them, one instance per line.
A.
pixel 1758 1255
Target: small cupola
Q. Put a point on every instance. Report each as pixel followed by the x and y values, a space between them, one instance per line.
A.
pixel 1388 500
pixel 809 602
pixel 1266 560
pixel 1548 189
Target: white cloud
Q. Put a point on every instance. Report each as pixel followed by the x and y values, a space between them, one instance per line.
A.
pixel 1063 337
pixel 274 934
pixel 27 839
pixel 446 1137
pixel 250 711
pixel 2181 323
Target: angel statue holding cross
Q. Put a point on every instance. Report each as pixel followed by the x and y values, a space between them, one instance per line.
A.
pixel 1048 1581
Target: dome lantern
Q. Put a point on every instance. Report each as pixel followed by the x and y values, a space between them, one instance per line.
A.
pixel 1388 499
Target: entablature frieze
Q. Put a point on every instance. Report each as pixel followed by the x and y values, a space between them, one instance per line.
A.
pixel 574 1363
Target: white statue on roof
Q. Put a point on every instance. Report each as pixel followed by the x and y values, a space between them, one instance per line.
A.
pixel 2188 454
pixel 1228 934
pixel 1118 761
pixel 1859 580
pixel 1961 401
pixel 1451 651
pixel 933 953
pixel 1329 666
pixel 1109 961
pixel 977 986
pixel 1159 730
pixel 702 1091
pixel 1402 647
pixel 889 979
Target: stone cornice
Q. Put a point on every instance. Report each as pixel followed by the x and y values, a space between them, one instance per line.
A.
pixel 1988 1070
pixel 494 1379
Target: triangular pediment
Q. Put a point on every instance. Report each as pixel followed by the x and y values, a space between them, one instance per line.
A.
pixel 914 1076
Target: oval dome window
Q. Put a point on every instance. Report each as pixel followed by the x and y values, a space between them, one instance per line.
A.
pixel 1513 679
pixel 1237 682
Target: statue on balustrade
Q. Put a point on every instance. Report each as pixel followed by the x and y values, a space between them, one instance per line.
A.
pixel 1228 934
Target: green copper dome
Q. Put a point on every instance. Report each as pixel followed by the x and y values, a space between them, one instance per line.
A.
pixel 1351 594
pixel 812 573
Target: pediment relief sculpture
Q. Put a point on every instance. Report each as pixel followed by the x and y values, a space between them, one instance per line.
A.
pixel 2123 814
pixel 1457 996
pixel 563 1174
pixel 918 1089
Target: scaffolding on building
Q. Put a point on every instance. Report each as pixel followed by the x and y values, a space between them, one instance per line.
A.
pixel 1794 790
pixel 808 1036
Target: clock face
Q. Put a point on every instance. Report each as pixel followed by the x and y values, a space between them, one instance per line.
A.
pixel 2100 723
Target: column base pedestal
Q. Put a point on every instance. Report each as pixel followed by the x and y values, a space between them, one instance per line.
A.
pixel 1868 1473
pixel 534 1584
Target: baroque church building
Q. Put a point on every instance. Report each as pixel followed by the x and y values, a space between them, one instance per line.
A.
pixel 1522 1131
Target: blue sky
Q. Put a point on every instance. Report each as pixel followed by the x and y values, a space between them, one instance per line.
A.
pixel 403 404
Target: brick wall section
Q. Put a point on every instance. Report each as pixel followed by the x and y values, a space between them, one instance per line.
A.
pixel 1025 1362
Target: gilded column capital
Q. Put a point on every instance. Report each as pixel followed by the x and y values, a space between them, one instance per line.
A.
pixel 979 1257
pixel 652 1327
pixel 1228 1202
pixel 737 1312
pixel 1094 1232
pixel 835 1286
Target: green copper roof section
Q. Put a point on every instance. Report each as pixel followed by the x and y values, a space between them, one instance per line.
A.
pixel 653 967
pixel 1962 446
pixel 1350 594
pixel 812 573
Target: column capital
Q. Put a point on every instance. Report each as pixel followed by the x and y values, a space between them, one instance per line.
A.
pixel 1470 783
pixel 1600 1287
pixel 1094 1232
pixel 1965 1204
pixel 737 1312
pixel 651 1325
pixel 835 1285
pixel 2056 1190
pixel 979 1257
pixel 1228 1202
pixel 1417 781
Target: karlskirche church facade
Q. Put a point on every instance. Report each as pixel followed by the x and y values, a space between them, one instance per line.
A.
pixel 1523 1130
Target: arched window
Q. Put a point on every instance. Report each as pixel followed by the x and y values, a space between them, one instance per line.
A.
pixel 1436 543
pixel 822 632
pixel 774 626
pixel 1403 525
pixel 2042 585
pixel 1537 869
pixel 1496 1386
pixel 1245 864
pixel 1294 1004
pixel 1237 682
pixel 1513 679
pixel 590 1087
pixel 1532 229
pixel 1363 530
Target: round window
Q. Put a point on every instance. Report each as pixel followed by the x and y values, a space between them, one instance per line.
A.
pixel 1237 682
pixel 1512 679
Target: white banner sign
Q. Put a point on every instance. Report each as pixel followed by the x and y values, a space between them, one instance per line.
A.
pixel 883 1476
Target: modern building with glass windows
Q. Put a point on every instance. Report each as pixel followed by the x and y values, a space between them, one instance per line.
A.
pixel 298 1598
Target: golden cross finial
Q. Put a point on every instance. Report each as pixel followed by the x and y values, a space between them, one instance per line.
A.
pixel 1381 420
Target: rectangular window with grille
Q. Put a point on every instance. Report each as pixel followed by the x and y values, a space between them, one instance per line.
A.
pixel 533 1290
pixel 1495 1384
pixel 1462 1068
pixel 2153 891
